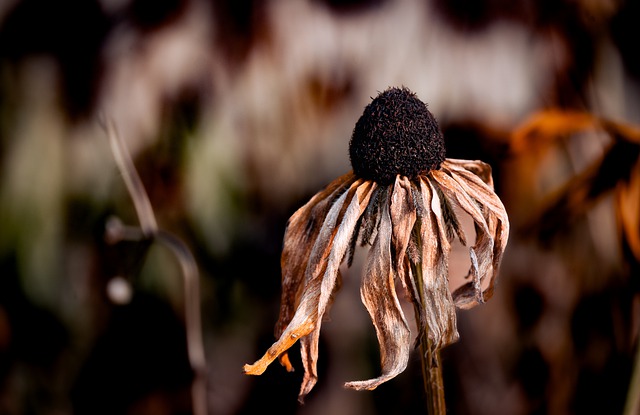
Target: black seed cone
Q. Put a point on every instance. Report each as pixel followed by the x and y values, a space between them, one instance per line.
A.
pixel 396 134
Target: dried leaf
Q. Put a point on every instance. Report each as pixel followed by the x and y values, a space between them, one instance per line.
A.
pixel 579 194
pixel 544 127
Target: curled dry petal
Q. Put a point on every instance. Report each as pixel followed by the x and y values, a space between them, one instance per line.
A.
pixel 496 217
pixel 477 167
pixel 320 278
pixel 483 245
pixel 379 296
pixel 435 295
pixel 301 234
pixel 403 218
pixel 477 198
pixel 409 225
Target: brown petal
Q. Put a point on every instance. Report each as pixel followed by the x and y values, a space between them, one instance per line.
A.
pixel 403 214
pixel 477 167
pixel 309 356
pixel 492 233
pixel 301 233
pixel 433 277
pixel 481 252
pixel 497 219
pixel 498 222
pixel 379 297
pixel 403 218
pixel 371 216
pixel 321 274
pixel 451 220
pixel 477 188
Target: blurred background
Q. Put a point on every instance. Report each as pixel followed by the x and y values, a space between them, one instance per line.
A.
pixel 235 113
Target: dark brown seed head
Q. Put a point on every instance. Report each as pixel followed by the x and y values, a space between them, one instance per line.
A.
pixel 396 134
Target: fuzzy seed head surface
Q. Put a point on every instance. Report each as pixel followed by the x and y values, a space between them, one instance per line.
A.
pixel 396 135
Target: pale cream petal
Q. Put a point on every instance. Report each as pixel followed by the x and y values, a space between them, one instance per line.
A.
pixel 379 297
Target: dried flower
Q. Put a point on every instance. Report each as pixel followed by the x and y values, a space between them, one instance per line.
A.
pixel 402 199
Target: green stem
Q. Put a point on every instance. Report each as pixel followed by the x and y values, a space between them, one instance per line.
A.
pixel 430 358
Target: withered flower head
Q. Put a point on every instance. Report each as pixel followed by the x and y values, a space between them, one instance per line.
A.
pixel 403 199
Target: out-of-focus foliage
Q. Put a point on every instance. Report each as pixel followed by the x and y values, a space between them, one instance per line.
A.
pixel 235 113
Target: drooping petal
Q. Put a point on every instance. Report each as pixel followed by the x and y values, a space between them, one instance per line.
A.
pixel 309 356
pixel 320 276
pixel 331 274
pixel 434 270
pixel 379 296
pixel 477 167
pixel 371 216
pixel 473 182
pixel 404 207
pixel 495 214
pixel 300 235
pixel 491 240
pixel 451 220
pixel 481 253
pixel 403 217
pixel 498 225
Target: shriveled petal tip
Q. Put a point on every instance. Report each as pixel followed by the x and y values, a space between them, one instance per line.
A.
pixel 470 186
pixel 288 338
pixel 378 294
pixel 285 362
pixel 371 384
pixel 300 236
pixel 320 278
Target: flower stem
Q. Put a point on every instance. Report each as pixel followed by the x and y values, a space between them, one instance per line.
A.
pixel 430 357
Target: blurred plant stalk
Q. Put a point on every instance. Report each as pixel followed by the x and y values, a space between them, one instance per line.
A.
pixel 117 231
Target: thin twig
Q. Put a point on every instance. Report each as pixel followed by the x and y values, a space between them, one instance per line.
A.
pixel 195 344
pixel 132 180
pixel 116 231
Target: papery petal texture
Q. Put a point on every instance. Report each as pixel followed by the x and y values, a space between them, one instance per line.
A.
pixel 379 296
pixel 320 277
